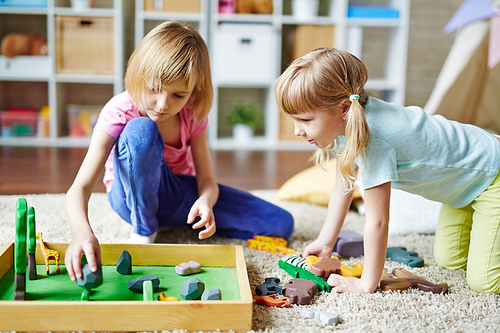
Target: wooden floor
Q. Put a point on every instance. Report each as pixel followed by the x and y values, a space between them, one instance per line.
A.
pixel 33 170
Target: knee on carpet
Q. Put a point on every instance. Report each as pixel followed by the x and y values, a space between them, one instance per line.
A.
pixel 484 282
pixel 449 260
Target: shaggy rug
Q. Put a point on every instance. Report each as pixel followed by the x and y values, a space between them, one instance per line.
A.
pixel 462 310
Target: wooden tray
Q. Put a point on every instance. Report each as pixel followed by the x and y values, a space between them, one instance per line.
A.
pixel 135 315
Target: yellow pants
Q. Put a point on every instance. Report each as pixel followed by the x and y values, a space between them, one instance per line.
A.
pixel 469 238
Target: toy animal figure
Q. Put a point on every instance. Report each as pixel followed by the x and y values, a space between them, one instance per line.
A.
pixel 400 254
pixel 20 44
pixel 404 280
pixel 48 254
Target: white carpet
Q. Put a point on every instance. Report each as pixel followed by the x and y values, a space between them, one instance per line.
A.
pixel 462 310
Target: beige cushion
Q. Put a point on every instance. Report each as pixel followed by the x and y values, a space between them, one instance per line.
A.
pixel 313 185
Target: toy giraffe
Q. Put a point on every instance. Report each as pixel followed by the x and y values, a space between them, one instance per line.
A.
pixel 48 254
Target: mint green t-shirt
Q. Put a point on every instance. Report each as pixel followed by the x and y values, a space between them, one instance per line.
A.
pixel 431 156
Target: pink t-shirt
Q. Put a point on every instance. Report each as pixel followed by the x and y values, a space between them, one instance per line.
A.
pixel 120 109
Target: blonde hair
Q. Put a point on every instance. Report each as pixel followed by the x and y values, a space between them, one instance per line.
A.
pixel 324 79
pixel 169 52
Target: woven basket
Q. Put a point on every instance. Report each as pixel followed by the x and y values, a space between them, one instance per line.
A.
pixel 183 6
pixel 84 45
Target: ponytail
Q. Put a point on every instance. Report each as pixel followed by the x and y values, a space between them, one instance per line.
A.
pixel 357 134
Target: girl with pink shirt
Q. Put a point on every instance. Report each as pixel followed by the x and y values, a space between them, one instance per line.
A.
pixel 152 142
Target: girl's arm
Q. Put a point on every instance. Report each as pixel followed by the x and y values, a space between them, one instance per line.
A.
pixel 77 198
pixel 338 207
pixel 208 190
pixel 377 201
pixel 375 243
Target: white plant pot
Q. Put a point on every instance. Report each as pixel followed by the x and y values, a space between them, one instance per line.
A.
pixel 80 5
pixel 305 9
pixel 242 133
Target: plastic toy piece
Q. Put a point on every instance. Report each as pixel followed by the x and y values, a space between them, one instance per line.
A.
pixel 269 287
pixel 20 286
pixel 147 291
pixel 355 271
pixel 48 254
pixel 90 280
pixel 400 254
pixel 389 283
pixel 300 291
pixel 124 265
pixel 344 270
pixel 85 295
pixel 270 300
pixel 20 250
pixel 419 282
pixel 349 244
pixel 297 267
pixel 211 295
pixel 327 318
pixel 163 297
pixel 405 280
pixel 325 266
pixel 271 244
pixel 188 268
pixel 135 285
pixel 31 244
pixel 192 289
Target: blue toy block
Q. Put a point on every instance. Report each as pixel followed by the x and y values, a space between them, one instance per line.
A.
pixel 124 265
pixel 400 254
pixel 211 295
pixel 192 289
pixel 269 287
pixel 136 285
pixel 90 279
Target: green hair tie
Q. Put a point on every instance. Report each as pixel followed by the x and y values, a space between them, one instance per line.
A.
pixel 353 97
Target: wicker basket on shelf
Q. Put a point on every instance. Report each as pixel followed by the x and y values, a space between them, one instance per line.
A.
pixel 84 45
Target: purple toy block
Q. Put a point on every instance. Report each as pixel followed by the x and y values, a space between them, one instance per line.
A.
pixel 188 268
pixel 349 243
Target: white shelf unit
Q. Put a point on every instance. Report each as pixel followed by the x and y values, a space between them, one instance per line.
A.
pixel 348 35
pixel 54 89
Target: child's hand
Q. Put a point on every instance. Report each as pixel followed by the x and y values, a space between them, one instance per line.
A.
pixel 84 244
pixel 319 249
pixel 204 211
pixel 342 284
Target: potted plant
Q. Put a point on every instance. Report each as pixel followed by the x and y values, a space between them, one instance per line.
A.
pixel 245 119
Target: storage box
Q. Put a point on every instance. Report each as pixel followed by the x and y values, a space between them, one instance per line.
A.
pixel 372 12
pixel 182 6
pixel 125 316
pixel 310 37
pixel 24 3
pixel 18 123
pixel 82 119
pixel 245 53
pixel 29 67
pixel 84 45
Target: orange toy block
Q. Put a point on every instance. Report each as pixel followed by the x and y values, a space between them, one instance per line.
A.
pixel 355 271
pixel 271 244
pixel 270 300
